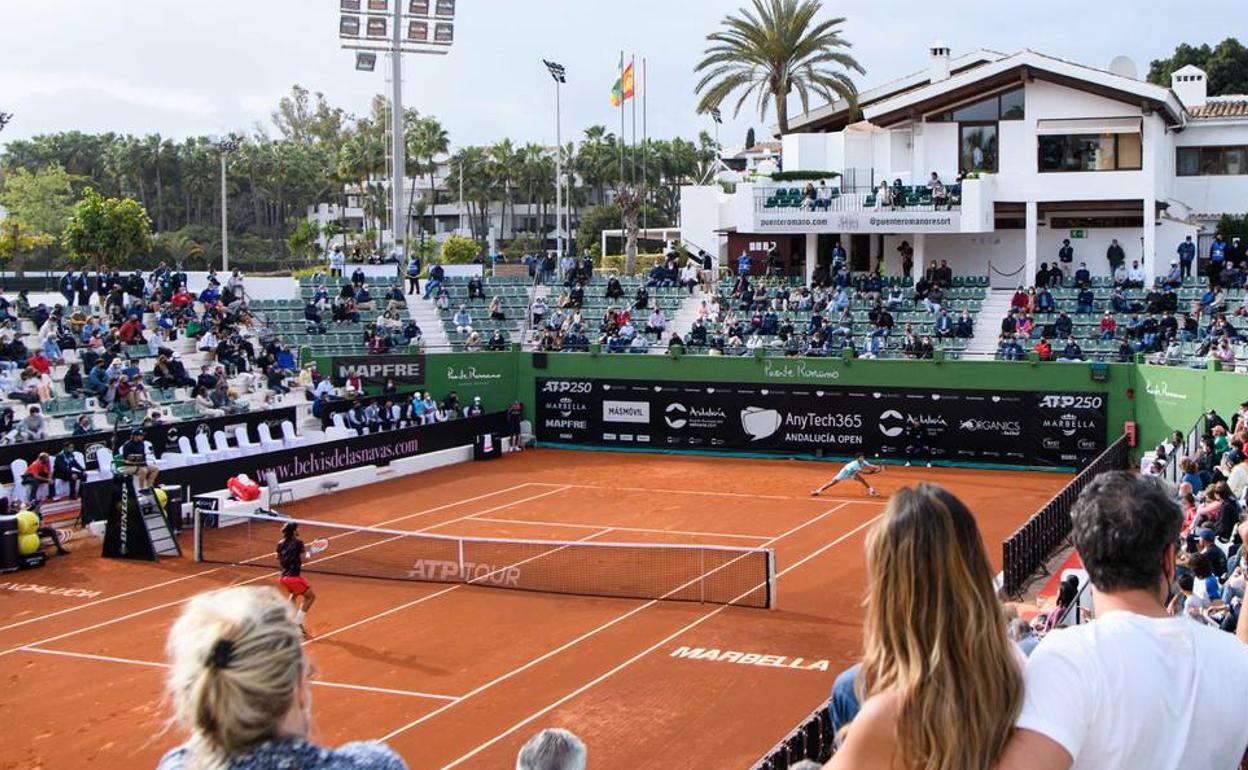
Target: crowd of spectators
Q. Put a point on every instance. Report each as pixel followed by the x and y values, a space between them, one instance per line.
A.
pixel 818 319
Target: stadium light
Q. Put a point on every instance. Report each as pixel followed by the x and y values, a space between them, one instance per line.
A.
pixel 559 74
pixel 5 117
pixel 225 146
pixel 396 27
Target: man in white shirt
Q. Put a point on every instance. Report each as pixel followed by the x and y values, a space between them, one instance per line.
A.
pixel 1135 688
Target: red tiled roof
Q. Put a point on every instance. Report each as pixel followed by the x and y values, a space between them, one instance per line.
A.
pixel 1233 107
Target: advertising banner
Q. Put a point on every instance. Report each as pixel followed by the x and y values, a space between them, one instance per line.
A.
pixel 375 370
pixel 995 427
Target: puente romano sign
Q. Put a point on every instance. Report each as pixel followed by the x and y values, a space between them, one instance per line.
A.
pixel 859 222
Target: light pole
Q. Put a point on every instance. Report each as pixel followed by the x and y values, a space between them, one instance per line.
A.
pixel 560 76
pixel 224 148
pixel 397 27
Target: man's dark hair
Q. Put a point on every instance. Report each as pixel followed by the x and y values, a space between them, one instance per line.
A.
pixel 1123 524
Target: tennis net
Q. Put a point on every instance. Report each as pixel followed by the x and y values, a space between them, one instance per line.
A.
pixel 694 573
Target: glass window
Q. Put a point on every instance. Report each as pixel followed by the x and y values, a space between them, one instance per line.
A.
pixel 977 148
pixel 1187 161
pixel 1012 105
pixel 989 109
pixel 1235 160
pixel 1130 151
pixel 1090 152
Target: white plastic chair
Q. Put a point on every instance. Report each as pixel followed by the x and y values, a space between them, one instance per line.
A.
pixel 222 444
pixel 104 465
pixel 341 423
pixel 189 454
pixel 289 437
pixel 267 442
pixel 204 448
pixel 19 493
pixel 245 444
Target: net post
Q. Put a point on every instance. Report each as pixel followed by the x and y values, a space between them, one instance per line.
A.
pixel 196 540
pixel 701 576
pixel 771 579
pixel 463 576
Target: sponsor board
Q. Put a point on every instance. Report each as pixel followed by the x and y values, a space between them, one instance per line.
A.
pixel 859 222
pixel 375 370
pixel 1014 428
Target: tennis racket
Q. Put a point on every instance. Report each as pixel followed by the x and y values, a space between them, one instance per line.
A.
pixel 318 546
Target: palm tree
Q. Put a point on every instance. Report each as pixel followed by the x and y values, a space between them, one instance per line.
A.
pixel 427 142
pixel 771 51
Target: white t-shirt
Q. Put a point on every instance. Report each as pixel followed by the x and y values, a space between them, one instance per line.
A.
pixel 1127 691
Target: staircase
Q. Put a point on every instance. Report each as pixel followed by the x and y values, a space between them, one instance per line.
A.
pixel 682 320
pixel 988 324
pixel 430 322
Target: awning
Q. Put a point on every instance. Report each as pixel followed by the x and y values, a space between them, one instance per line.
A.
pixel 1088 126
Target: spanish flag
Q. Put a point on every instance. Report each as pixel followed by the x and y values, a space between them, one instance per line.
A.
pixel 623 90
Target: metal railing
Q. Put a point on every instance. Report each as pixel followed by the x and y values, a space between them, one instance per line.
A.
pixel 767 201
pixel 813 739
pixel 1025 551
pixel 1191 443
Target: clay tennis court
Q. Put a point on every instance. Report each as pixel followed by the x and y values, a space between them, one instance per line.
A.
pixel 456 675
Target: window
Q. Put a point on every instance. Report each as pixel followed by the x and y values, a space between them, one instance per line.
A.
pixel 1004 106
pixel 977 147
pixel 1090 152
pixel 1212 161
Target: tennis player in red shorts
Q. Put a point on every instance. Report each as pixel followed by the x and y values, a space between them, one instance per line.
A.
pixel 290 555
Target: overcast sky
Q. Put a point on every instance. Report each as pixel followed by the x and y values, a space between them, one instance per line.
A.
pixel 181 67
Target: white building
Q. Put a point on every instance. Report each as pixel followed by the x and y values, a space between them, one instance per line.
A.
pixel 446 215
pixel 1046 150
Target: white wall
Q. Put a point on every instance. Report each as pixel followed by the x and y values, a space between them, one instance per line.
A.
pixel 700 217
pixel 1214 195
pixel 940 151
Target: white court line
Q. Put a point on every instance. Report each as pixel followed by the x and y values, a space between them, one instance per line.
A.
pixel 588 634
pixel 747 495
pixel 598 680
pixel 619 529
pixel 434 595
pixel 218 569
pixel 267 574
pixel 318 682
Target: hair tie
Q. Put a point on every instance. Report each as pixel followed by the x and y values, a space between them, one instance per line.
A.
pixel 222 654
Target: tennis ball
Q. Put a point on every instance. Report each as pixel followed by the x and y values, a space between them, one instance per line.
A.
pixel 27 522
pixel 28 544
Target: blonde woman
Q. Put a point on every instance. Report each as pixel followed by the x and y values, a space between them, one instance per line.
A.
pixel 239 686
pixel 941 680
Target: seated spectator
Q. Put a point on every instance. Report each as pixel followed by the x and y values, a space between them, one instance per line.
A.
pixel 204 405
pixel 135 460
pixel 965 326
pixel 67 468
pixel 239 684
pixel 1164 673
pixel 497 341
pixel 462 320
pixel 33 427
pixel 39 474
pixel 936 662
pixel 476 288
pixel 1084 301
pixel 83 425
pixel 396 300
pixel 615 290
pixel 1108 327
pixel 1072 351
pixel 473 343
pixel 496 309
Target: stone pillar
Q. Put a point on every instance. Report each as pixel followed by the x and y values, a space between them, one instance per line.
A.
pixel 1031 262
pixel 812 256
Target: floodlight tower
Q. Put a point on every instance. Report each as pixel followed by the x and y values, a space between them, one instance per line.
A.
pixel 396 27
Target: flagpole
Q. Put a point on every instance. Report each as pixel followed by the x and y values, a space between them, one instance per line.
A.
pixel 633 63
pixel 623 133
pixel 645 143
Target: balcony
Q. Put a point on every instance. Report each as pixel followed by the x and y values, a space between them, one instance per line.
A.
pixel 781 209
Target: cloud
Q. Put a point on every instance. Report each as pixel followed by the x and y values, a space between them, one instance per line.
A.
pixel 23 85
